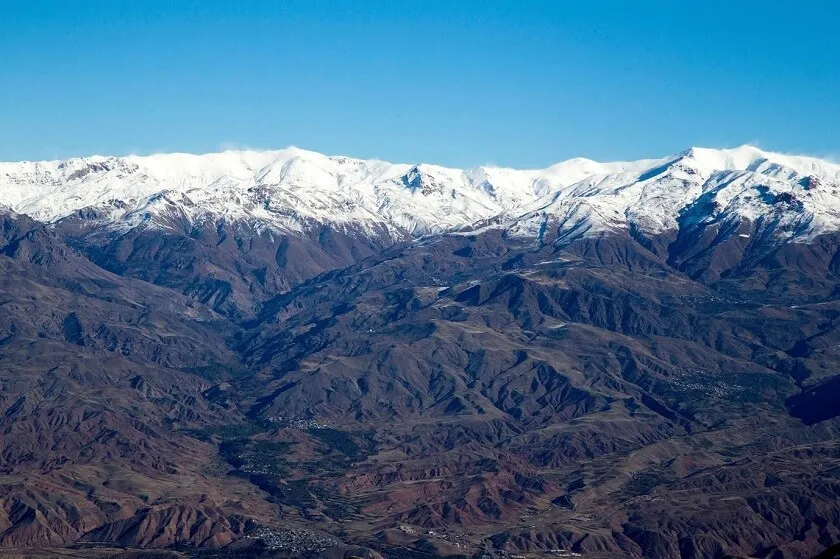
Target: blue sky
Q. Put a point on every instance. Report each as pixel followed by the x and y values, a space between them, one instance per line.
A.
pixel 519 83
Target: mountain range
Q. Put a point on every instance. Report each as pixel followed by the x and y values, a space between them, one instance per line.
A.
pixel 293 189
pixel 285 354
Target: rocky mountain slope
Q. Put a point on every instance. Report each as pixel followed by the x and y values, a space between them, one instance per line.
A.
pixel 289 354
pixel 234 228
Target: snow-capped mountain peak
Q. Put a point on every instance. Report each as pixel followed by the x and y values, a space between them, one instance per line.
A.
pixel 293 188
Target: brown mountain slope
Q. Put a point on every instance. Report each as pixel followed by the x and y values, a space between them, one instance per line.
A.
pixel 91 390
pixel 459 395
pixel 563 391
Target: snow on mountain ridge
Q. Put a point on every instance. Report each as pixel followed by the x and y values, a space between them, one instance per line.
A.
pixel 289 188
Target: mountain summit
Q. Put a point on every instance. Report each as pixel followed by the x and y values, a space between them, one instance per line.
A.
pixel 294 189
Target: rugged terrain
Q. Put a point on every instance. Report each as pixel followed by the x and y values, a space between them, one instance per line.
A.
pixel 289 354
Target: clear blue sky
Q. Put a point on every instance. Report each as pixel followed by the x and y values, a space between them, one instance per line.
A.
pixel 463 82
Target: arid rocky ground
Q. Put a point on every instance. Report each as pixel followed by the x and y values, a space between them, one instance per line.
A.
pixel 220 393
